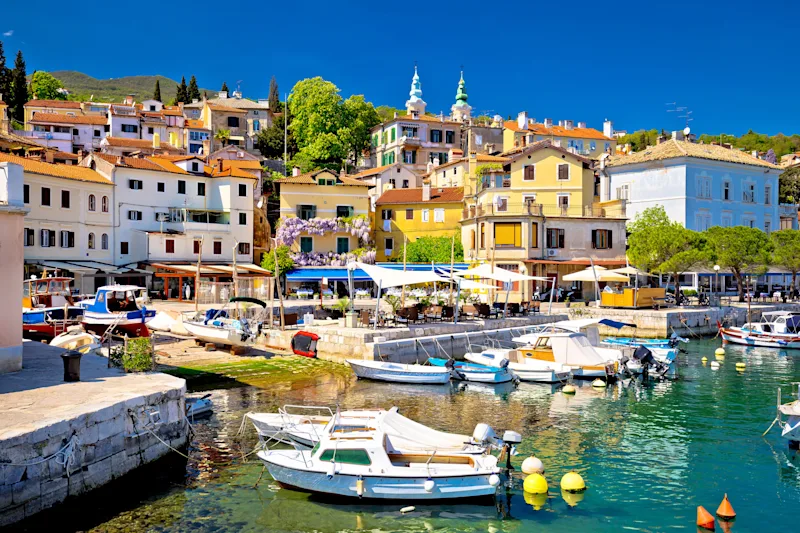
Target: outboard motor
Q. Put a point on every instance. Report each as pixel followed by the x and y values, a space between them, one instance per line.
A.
pixel 510 441
pixel 646 359
pixel 451 366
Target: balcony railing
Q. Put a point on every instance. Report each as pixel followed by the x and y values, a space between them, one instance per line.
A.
pixel 539 210
pixel 787 210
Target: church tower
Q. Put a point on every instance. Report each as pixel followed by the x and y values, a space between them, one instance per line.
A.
pixel 415 105
pixel 460 111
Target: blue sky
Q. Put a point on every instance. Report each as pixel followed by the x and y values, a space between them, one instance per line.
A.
pixel 731 63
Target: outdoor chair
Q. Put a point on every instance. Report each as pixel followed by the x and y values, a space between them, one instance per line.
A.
pixel 484 311
pixel 513 309
pixel 469 311
pixel 433 313
pixel 364 318
pixel 448 313
pixel 535 307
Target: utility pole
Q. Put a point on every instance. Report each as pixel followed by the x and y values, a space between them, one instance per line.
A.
pixel 277 277
pixel 197 276
pixel 403 288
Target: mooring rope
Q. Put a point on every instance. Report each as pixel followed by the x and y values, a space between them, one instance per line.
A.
pixel 65 456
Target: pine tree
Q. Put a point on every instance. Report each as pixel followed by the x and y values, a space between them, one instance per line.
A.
pixel 183 92
pixel 157 92
pixel 5 77
pixel 19 89
pixel 274 98
pixel 224 87
pixel 194 91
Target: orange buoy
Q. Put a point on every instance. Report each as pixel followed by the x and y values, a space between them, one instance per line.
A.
pixel 725 510
pixel 704 518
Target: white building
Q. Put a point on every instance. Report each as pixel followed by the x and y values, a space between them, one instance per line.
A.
pixel 165 207
pixel 699 185
pixel 123 122
pixel 86 131
pixel 69 219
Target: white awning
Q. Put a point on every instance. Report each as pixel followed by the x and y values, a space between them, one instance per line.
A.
pixel 387 277
pixel 500 274
pixel 58 265
pixel 596 274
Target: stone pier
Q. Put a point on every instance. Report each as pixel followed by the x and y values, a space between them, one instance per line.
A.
pixel 112 418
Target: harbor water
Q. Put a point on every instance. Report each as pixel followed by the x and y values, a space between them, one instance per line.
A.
pixel 650 454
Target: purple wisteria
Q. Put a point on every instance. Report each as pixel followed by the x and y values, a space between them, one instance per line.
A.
pixel 331 259
pixel 290 229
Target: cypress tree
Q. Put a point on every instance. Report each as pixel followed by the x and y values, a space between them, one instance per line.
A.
pixel 157 92
pixel 194 91
pixel 5 77
pixel 274 98
pixel 19 89
pixel 183 93
pixel 224 87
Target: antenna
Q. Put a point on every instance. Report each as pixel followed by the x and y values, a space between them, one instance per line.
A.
pixel 239 86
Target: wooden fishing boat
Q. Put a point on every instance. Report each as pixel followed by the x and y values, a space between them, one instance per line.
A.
pixel 115 307
pixel 47 307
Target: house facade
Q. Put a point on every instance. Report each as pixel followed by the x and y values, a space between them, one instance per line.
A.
pixel 218 117
pixel 699 186
pixel 85 131
pixel 538 214
pixel 382 179
pixel 325 195
pixel 408 214
pixel 256 116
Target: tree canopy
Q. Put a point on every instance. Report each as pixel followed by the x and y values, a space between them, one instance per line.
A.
pixel 285 261
pixel 658 244
pixel 789 186
pixel 740 249
pixel 274 98
pixel 224 87
pixel 183 92
pixel 193 92
pixel 328 130
pixel 786 251
pixel 5 76
pixel 19 89
pixel 426 249
pixel 45 87
pixel 157 92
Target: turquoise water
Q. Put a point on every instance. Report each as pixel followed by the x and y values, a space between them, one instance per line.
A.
pixel 649 454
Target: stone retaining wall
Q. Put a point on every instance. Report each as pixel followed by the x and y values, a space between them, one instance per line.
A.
pixel 110 444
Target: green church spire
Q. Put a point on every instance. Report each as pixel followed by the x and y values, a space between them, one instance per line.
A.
pixel 461 94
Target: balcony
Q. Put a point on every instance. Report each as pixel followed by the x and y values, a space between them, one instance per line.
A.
pixel 616 210
pixel 787 210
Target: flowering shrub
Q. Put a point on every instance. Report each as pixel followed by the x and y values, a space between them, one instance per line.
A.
pixel 290 229
pixel 333 259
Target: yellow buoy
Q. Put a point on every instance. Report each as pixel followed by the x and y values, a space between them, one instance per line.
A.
pixel 719 351
pixel 537 501
pixel 572 498
pixel 573 482
pixel 532 465
pixel 598 383
pixel 704 359
pixel 740 366
pixel 568 389
pixel 535 484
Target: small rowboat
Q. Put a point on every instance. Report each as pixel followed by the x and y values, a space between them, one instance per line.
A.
pixel 400 373
pixel 752 337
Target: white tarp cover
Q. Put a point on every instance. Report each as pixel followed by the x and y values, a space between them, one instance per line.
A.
pixel 499 274
pixel 575 350
pixel 161 322
pixel 387 277
pixel 407 435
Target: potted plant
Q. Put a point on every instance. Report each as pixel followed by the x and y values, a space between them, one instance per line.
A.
pixel 566 302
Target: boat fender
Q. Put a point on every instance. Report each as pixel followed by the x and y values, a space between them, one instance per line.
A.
pixel 408 509
pixel 494 480
pixel 331 470
pixel 504 363
pixel 360 486
pixel 144 314
pixel 429 485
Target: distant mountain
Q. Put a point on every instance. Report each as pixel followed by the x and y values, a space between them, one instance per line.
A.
pixel 82 87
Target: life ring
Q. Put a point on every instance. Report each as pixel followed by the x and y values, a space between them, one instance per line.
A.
pixel 305 343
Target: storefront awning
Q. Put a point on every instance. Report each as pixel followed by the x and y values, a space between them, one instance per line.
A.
pixel 582 262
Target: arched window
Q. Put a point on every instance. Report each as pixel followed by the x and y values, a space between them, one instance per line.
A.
pixel 105 204
pixel 104 241
pixel 91 241
pixel 92 203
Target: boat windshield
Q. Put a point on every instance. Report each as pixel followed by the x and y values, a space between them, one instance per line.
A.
pixel 582 341
pixel 121 301
pixel 41 287
pixel 56 286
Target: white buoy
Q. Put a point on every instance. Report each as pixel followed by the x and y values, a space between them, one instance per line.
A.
pixel 429 484
pixel 599 384
pixel 408 509
pixel 714 365
pixel 494 480
pixel 532 465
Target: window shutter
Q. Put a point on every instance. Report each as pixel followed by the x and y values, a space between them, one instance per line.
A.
pixel 594 238
pixel 313 211
pixel 297 211
pixel 71 239
pixel 610 242
pixel 561 238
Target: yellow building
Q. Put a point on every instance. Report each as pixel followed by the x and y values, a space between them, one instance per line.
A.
pixel 62 107
pixel 539 214
pixel 584 141
pixel 412 213
pixel 454 173
pixel 323 194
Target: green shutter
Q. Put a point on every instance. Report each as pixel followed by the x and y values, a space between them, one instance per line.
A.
pixel 393 133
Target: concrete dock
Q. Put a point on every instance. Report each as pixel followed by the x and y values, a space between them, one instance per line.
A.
pixel 111 419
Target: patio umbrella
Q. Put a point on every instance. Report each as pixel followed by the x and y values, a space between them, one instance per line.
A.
pixel 595 274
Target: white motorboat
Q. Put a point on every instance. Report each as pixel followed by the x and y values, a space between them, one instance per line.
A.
pixel 220 327
pixel 76 338
pixel 198 406
pixel 399 372
pixel 364 460
pixel 526 369
pixel 116 307
pixel 303 425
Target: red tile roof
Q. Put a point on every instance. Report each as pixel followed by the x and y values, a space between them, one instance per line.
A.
pixel 439 195
pixel 59 118
pixel 70 172
pixel 60 104
pixel 309 178
pixel 557 131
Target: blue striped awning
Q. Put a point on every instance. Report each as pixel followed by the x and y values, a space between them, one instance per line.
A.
pixel 309 274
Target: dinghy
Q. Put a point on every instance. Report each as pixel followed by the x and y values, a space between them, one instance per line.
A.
pixel 198 406
pixel 77 339
pixel 474 372
pixel 525 368
pixel 399 372
pixel 360 459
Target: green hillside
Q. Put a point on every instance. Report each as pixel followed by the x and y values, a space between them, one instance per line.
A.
pixel 82 87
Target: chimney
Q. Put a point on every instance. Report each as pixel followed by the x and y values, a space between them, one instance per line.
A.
pixel 548 123
pixel 295 171
pixel 395 114
pixel 48 156
pixel 222 94
pixel 342 173
pixel 81 155
pixel 608 128
pixel 522 120
pixel 119 160
pixel 568 124
pixel 194 101
pixel 582 125
pixel 426 192
pixel 219 163
pixel 129 99
pixel 677 135
pixel 754 153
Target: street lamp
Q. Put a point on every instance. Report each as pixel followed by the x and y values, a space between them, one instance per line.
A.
pixel 716 282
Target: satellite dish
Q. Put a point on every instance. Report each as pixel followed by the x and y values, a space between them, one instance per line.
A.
pixel 687 130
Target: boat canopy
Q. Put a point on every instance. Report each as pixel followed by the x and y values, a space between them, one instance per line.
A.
pixel 114 299
pixel 572 349
pixel 404 434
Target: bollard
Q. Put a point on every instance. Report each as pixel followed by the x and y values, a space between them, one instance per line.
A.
pixel 72 365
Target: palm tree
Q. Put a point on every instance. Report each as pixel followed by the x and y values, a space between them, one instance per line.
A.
pixel 223 136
